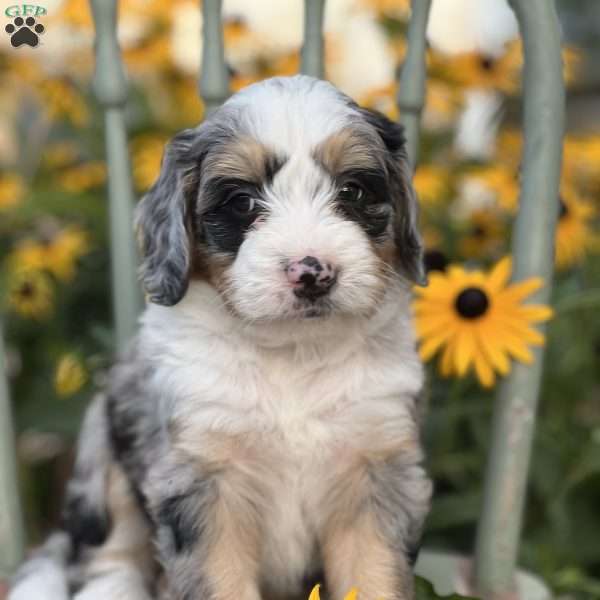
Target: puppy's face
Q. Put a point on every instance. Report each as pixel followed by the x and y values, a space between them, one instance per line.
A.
pixel 291 200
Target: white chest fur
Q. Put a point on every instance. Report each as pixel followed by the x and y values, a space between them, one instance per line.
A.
pixel 307 396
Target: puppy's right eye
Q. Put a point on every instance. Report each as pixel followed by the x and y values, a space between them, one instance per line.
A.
pixel 350 194
pixel 242 205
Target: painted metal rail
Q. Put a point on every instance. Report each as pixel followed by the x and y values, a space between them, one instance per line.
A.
pixel 11 521
pixel 533 255
pixel 110 87
pixel 514 418
pixel 411 91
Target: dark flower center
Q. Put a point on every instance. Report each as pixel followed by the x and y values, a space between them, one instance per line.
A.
pixel 487 63
pixel 26 290
pixel 564 209
pixel 478 231
pixel 435 260
pixel 472 303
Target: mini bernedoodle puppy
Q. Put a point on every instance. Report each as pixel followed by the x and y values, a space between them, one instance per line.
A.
pixel 262 432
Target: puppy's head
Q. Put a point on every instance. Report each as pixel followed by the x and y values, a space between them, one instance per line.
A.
pixel 290 199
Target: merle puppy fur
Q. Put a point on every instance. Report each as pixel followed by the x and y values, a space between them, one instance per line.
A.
pixel 262 430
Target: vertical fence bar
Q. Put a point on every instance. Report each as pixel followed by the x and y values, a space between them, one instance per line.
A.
pixel 110 87
pixel 11 521
pixel 214 79
pixel 411 91
pixel 533 244
pixel 312 60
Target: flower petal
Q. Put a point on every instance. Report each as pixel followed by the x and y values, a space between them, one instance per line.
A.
pixel 500 274
pixel 351 595
pixel 465 350
pixel 493 351
pixel 314 595
pixel 484 371
pixel 433 343
pixel 519 291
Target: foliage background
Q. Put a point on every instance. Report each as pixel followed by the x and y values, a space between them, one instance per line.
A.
pixel 54 268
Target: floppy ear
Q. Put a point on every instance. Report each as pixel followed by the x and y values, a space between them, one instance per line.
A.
pixel 406 210
pixel 163 223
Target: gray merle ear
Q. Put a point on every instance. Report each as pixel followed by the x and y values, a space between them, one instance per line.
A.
pixel 406 211
pixel 163 221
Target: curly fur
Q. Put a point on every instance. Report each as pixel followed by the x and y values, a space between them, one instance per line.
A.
pixel 251 440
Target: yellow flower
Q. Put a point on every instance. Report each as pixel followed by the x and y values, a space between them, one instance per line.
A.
pixel 76 13
pixel 472 69
pixel 502 73
pixel 575 237
pixel 80 178
pixel 70 375
pixel 315 594
pixel 58 256
pixel 147 151
pixel 28 256
pixel 477 320
pixel 12 190
pixel 431 183
pixel 62 100
pixel 581 159
pixel 30 294
pixel 485 235
pixel 149 56
pixel 67 247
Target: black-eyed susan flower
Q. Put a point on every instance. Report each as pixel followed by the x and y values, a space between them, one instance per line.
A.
pixel 58 255
pixel 435 260
pixel 30 294
pixel 12 190
pixel 472 69
pixel 575 236
pixel 70 375
pixel 484 235
pixel 477 321
pixel 68 246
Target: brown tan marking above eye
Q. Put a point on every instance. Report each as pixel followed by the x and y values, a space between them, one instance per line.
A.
pixel 244 158
pixel 347 150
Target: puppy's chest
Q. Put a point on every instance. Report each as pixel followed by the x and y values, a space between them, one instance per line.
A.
pixel 283 401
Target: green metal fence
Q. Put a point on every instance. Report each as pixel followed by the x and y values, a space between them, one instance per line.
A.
pixel 514 418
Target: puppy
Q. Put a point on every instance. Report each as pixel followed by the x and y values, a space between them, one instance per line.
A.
pixel 262 431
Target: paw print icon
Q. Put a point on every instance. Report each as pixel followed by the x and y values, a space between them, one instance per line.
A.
pixel 24 31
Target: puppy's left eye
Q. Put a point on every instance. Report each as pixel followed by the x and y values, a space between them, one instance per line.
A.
pixel 351 194
pixel 242 205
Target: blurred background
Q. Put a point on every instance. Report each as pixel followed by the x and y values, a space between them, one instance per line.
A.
pixel 54 267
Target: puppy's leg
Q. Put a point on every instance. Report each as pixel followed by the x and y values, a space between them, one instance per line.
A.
pixel 122 568
pixel 373 527
pixel 85 514
pixel 209 523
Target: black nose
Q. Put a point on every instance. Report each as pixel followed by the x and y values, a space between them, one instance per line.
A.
pixel 310 277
